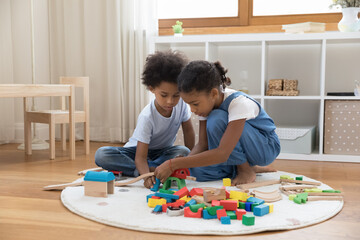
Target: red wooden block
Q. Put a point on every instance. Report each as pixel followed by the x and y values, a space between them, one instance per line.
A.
pixel 178 203
pixel 196 191
pixel 215 203
pixel 189 213
pixel 182 192
pixel 181 173
pixel 221 213
pixel 229 205
pixel 239 213
pixel 155 197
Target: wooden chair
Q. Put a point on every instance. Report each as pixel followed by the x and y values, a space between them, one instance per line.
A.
pixel 53 117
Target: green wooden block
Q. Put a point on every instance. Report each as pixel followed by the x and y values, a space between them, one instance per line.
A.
pixel 241 205
pixel 248 219
pixel 301 198
pixel 212 210
pixel 180 183
pixel 231 214
pixel 313 190
pixel 166 191
pixel 292 196
pixel 194 208
pixel 254 205
pixel 331 191
pixel 299 178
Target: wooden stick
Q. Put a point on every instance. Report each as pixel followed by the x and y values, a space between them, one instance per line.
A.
pixel 324 198
pixel 324 194
pixel 120 184
pixel 300 181
pixel 83 172
pixel 296 187
pixel 62 186
pixel 258 184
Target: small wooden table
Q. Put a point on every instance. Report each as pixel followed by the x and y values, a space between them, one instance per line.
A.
pixel 43 90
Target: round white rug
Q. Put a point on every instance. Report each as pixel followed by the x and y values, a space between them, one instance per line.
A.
pixel 127 208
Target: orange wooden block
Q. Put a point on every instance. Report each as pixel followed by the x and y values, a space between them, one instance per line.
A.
pixel 239 213
pixel 229 205
pixel 189 213
pixel 221 213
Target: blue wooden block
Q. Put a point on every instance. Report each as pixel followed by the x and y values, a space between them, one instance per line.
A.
pixel 255 200
pixel 261 210
pixel 149 196
pixel 248 206
pixel 225 220
pixel 158 208
pixel 191 202
pixel 167 196
pixel 155 188
pixel 206 215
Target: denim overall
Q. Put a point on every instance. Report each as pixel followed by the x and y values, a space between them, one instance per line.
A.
pixel 258 144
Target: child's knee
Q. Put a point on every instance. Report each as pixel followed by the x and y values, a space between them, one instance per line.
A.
pixel 100 155
pixel 182 151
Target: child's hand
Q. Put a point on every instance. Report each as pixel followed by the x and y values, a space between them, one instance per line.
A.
pixel 163 171
pixel 149 182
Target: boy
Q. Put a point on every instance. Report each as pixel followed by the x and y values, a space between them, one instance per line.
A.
pixel 152 141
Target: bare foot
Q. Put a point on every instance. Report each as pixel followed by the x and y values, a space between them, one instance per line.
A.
pixel 260 169
pixel 245 174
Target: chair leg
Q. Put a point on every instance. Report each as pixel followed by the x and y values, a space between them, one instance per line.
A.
pixel 87 137
pixel 27 137
pixel 52 137
pixel 63 136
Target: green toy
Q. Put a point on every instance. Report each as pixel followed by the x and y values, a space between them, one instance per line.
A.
pixel 177 28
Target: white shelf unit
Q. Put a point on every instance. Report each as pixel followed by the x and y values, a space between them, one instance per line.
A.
pixel 321 62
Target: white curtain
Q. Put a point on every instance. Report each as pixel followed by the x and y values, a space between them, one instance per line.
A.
pixel 105 40
pixel 7 127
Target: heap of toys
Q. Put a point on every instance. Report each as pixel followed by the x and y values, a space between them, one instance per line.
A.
pixel 207 203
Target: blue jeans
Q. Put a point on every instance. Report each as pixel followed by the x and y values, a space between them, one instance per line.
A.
pixel 254 147
pixel 123 158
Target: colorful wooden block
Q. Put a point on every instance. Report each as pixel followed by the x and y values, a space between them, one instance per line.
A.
pixel 215 203
pixel 153 202
pixel 207 215
pixel 221 213
pixel 226 182
pixel 292 196
pixel 253 205
pixel 261 210
pixel 212 210
pixel 156 186
pixel 191 214
pixel 255 200
pixel 196 207
pixel 175 211
pixel 248 206
pixel 191 202
pixel 299 178
pixel 241 196
pixel 301 198
pixel 167 196
pixel 239 213
pixel 242 205
pixel 158 208
pixel 225 220
pixel 248 219
pixel 271 207
pixel 196 191
pixel 231 214
pixel 229 205
pixel 182 192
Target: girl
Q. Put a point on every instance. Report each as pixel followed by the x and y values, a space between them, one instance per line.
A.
pixel 236 134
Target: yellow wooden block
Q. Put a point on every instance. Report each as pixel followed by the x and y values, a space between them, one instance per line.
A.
pixel 271 207
pixel 241 196
pixel 153 202
pixel 227 182
pixel 185 198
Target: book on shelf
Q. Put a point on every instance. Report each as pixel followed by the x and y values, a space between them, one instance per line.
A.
pixel 306 27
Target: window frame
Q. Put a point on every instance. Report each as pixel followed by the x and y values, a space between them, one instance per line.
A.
pixel 245 22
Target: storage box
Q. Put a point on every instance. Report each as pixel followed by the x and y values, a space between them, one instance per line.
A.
pixel 296 140
pixel 342 130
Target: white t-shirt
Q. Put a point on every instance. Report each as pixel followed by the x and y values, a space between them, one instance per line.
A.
pixel 240 107
pixel 156 130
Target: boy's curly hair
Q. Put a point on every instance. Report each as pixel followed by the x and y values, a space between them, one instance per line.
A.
pixel 163 66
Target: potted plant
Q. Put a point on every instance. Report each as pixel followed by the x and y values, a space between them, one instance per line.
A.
pixel 177 28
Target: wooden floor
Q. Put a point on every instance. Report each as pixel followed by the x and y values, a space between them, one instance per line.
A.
pixel 27 212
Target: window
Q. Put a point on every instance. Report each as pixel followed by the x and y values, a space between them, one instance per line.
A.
pixel 291 7
pixel 233 16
